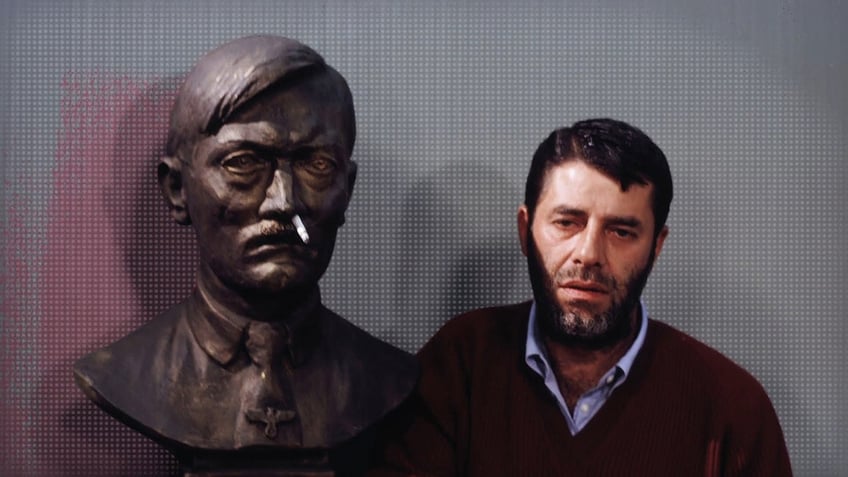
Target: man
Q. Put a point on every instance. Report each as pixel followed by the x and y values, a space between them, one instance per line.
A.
pixel 580 382
pixel 252 371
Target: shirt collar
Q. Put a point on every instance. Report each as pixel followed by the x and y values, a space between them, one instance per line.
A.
pixel 536 357
pixel 222 334
pixel 626 361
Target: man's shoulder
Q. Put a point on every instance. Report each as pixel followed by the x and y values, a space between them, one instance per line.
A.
pixel 715 374
pixel 485 321
pixel 680 372
pixel 497 326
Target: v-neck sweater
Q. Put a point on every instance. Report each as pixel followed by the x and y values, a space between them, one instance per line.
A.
pixel 478 410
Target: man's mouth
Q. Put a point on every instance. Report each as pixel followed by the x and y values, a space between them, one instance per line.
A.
pixel 587 286
pixel 584 290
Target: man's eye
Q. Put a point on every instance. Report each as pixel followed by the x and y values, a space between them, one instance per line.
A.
pixel 242 163
pixel 623 233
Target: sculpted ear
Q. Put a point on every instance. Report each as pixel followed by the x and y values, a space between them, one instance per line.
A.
pixel 169 172
pixel 351 177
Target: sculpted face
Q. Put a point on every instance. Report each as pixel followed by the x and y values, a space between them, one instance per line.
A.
pixel 590 248
pixel 285 153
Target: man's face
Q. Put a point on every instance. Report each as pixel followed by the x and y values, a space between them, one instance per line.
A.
pixel 590 248
pixel 284 153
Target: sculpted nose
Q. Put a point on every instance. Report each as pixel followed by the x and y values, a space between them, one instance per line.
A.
pixel 279 197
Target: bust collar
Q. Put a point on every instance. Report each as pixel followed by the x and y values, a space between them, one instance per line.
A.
pixel 222 334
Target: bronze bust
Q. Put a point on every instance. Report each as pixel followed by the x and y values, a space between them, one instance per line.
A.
pixel 251 374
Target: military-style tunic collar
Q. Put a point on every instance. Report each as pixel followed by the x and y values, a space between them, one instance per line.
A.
pixel 222 334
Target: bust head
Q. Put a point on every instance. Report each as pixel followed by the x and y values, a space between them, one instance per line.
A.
pixel 258 162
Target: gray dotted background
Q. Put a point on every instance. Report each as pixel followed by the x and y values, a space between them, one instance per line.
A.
pixel 746 97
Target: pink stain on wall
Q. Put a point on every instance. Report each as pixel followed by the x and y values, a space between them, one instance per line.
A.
pixel 114 259
pixel 14 276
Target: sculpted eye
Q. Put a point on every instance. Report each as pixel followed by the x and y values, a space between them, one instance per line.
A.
pixel 320 165
pixel 243 163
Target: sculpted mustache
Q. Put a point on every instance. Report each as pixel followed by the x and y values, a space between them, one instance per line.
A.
pixel 274 232
pixel 586 275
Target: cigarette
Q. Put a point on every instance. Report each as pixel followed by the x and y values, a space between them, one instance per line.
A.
pixel 300 228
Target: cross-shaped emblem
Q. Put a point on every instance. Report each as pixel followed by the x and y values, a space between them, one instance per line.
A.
pixel 270 417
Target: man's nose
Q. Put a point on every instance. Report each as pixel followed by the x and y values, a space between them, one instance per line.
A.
pixel 279 196
pixel 590 248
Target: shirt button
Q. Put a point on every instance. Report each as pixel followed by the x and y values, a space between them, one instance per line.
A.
pixel 610 379
pixel 584 407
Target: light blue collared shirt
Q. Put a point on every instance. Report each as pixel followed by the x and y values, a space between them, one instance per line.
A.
pixel 592 401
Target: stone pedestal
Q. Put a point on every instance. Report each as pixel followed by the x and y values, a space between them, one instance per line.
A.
pixel 279 463
pixel 303 472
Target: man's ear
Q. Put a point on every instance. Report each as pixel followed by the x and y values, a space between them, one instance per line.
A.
pixel 169 173
pixel 523 227
pixel 660 241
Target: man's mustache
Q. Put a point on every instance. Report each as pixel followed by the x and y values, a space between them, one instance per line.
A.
pixel 565 275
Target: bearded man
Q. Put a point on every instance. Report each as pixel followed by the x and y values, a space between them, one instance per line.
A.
pixel 581 381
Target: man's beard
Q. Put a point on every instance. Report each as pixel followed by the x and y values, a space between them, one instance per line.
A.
pixel 578 326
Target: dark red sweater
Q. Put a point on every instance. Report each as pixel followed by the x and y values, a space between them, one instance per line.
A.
pixel 684 410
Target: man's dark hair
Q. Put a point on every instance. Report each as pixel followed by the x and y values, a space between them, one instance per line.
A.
pixel 615 148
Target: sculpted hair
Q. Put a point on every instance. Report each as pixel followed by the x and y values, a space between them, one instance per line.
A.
pixel 615 148
pixel 228 77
